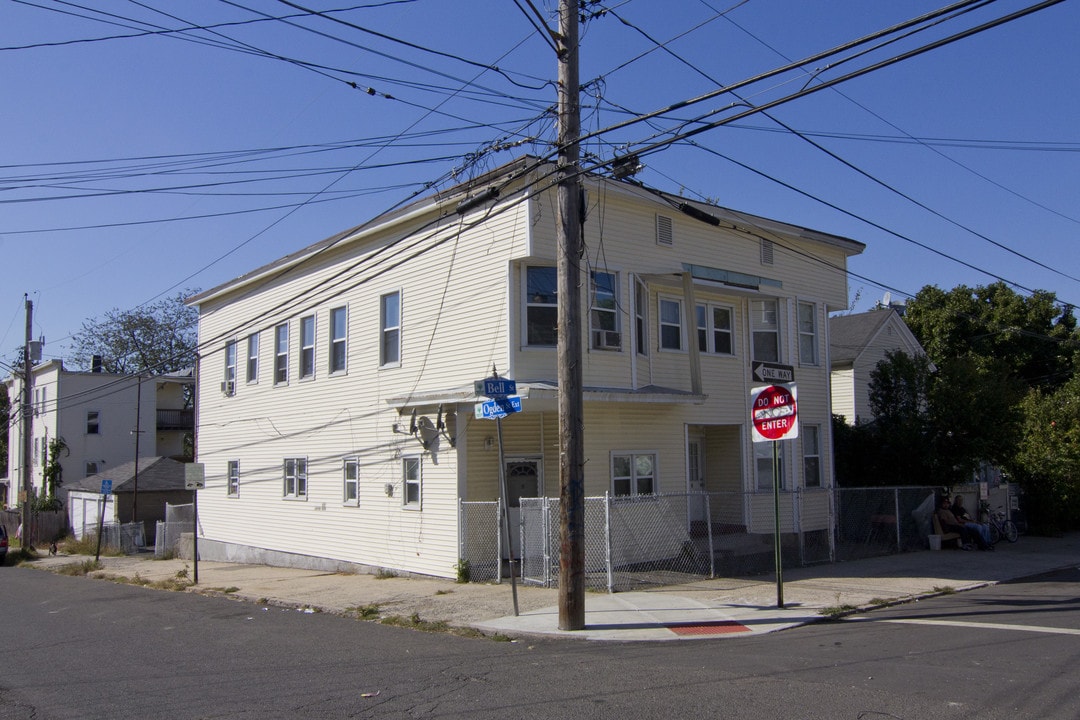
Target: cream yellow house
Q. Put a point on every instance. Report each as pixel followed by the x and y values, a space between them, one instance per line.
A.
pixel 336 392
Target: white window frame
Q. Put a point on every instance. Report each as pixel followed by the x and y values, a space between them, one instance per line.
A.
pixel 661 302
pixel 810 435
pixel 390 331
pixel 232 479
pixel 295 478
pixel 759 326
pixel 763 466
pixel 408 481
pixel 307 347
pixel 337 341
pixel 632 478
pixel 705 322
pixel 230 362
pixel 536 302
pixel 350 482
pixel 281 354
pixel 641 318
pixel 603 308
pixel 93 422
pixel 252 358
pixel 92 468
pixel 808 334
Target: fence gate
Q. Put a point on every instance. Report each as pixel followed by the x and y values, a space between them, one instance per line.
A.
pixel 539 541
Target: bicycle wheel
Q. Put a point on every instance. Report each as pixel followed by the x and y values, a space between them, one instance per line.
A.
pixel 995 534
pixel 1009 529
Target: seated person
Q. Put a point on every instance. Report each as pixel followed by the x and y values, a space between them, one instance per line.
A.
pixel 949 523
pixel 961 514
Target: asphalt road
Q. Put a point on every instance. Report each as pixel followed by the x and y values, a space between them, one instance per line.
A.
pixel 80 648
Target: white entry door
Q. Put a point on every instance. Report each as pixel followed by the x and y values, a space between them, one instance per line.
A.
pixel 524 478
pixel 695 481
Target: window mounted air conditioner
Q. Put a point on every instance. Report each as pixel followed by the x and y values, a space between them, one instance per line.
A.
pixel 228 388
pixel 607 339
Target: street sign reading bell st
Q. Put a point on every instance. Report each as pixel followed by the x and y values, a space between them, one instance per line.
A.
pixel 495 387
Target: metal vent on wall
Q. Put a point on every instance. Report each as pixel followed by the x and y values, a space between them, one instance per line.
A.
pixel 766 252
pixel 664 235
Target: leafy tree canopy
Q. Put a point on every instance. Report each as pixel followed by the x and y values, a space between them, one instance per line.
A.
pixel 1036 337
pixel 157 338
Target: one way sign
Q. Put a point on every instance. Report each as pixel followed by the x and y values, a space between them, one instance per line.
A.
pixel 770 372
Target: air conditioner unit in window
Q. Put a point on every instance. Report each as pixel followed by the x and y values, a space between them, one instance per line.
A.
pixel 228 388
pixel 607 339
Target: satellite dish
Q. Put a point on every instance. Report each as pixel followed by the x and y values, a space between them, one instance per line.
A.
pixel 887 299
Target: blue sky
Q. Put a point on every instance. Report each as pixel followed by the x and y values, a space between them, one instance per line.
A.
pixel 135 167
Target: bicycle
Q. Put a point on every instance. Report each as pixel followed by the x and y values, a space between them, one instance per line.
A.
pixel 1000 527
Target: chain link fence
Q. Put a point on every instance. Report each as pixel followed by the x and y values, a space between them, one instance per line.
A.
pixel 481 541
pixel 179 519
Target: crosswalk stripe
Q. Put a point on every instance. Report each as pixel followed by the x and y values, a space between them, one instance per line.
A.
pixel 981 625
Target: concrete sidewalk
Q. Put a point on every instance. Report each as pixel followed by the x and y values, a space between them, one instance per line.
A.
pixel 723 607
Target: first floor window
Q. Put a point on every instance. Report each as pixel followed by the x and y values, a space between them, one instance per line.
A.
pixel 295 478
pixel 811 443
pixel 92 422
pixel 352 481
pixel 633 474
pixel 541 306
pixel 232 487
pixel 763 466
pixel 714 329
pixel 670 324
pixel 410 478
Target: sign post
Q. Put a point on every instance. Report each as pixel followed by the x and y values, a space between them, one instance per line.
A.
pixel 774 413
pixel 194 480
pixel 503 402
pixel 106 490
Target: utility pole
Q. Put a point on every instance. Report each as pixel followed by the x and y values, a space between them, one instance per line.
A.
pixel 27 424
pixel 571 410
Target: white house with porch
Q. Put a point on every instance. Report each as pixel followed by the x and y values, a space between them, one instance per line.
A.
pixel 336 393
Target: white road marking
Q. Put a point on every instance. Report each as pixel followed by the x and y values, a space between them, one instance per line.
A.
pixel 981 625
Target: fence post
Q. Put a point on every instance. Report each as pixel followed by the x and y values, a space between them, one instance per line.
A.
pixel 607 542
pixel 498 541
pixel 708 529
pixel 896 514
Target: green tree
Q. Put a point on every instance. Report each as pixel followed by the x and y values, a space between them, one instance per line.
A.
pixel 158 338
pixel 1048 461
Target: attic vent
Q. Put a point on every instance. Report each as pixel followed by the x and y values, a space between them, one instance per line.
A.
pixel 766 252
pixel 663 230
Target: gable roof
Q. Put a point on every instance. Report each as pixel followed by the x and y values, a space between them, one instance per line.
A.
pixel 156 474
pixel 850 335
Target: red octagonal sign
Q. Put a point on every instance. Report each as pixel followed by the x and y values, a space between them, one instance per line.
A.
pixel 774 412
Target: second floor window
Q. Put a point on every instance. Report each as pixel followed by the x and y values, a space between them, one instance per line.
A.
pixel 641 318
pixel 91 468
pixel 307 347
pixel 670 324
pixel 808 354
pixel 230 362
pixel 765 326
pixel 541 306
pixel 339 333
pixel 604 312
pixel 390 323
pixel 253 358
pixel 281 354
pixel 93 426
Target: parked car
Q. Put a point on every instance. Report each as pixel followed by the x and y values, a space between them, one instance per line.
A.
pixel 3 544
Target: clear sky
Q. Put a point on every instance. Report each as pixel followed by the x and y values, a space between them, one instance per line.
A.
pixel 141 157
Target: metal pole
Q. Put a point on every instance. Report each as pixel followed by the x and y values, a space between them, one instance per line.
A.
pixel 101 526
pixel 708 529
pixel 571 410
pixel 776 522
pixel 506 513
pixel 195 535
pixel 607 543
pixel 27 425
pixel 138 431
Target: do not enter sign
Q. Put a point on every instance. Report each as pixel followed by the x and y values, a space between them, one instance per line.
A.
pixel 774 413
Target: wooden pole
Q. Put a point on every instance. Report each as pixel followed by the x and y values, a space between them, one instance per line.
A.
pixel 571 410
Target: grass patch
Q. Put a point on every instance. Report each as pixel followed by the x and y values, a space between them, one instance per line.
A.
pixel 88 546
pixel 415 622
pixel 385 574
pixel 946 590
pixel 878 602
pixel 835 611
pixel 225 590
pixel 365 612
pixel 79 568
pixel 263 601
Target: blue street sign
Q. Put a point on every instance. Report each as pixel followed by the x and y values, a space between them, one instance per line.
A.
pixel 495 387
pixel 106 487
pixel 497 408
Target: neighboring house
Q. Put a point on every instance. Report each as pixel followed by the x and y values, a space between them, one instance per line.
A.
pixel 135 497
pixel 857 343
pixel 336 394
pixel 95 415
